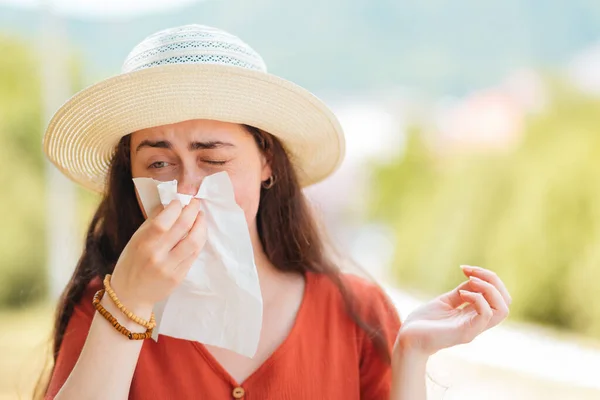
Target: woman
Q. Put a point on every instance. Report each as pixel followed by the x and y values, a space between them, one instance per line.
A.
pixel 193 101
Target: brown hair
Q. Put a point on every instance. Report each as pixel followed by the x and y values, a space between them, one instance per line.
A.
pixel 286 227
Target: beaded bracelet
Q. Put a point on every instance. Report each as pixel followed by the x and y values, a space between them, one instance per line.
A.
pixel 113 296
pixel 120 328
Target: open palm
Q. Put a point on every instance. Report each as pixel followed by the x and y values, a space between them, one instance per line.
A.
pixel 458 316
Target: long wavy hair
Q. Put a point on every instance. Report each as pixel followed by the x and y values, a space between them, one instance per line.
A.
pixel 287 229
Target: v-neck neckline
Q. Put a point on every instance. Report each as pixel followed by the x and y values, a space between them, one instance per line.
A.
pixel 287 342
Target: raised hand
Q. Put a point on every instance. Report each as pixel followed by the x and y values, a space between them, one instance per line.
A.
pixel 159 255
pixel 456 317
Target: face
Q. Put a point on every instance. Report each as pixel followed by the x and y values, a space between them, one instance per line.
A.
pixel 191 150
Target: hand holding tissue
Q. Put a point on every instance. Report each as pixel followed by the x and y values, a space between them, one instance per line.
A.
pixel 219 302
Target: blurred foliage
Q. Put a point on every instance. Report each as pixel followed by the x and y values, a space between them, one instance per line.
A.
pixel 532 214
pixel 23 277
pixel 438 46
pixel 22 241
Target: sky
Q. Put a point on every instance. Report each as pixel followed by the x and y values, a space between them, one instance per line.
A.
pixel 98 9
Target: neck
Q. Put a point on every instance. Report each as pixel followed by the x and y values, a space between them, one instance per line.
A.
pixel 269 276
pixel 263 265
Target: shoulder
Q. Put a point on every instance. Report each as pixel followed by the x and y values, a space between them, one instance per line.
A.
pixel 84 306
pixel 326 283
pixel 374 306
pixel 372 298
pixel 74 336
pixel 366 297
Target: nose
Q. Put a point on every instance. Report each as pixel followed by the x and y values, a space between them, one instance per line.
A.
pixel 189 182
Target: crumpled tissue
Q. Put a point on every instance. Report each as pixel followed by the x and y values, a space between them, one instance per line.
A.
pixel 219 302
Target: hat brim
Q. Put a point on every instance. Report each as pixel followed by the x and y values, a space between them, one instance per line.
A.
pixel 81 137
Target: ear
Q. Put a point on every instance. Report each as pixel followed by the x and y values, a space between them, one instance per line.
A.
pixel 266 170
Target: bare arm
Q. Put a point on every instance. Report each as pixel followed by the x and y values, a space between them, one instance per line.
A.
pixel 456 317
pixel 105 367
pixel 408 376
pixel 153 263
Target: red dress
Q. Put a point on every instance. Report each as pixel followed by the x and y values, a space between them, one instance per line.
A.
pixel 325 356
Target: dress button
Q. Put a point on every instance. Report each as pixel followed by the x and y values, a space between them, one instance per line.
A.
pixel 239 392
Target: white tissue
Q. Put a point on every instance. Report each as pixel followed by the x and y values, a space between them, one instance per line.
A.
pixel 219 302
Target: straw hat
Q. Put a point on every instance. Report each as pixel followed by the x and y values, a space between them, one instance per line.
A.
pixel 191 72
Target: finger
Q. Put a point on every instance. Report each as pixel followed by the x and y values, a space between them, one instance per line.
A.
pixel 488 276
pixel 484 312
pixel 183 267
pixel 182 225
pixel 193 242
pixel 453 297
pixel 491 294
pixel 165 219
pixel 154 212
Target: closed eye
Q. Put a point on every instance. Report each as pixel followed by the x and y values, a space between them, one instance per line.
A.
pixel 215 162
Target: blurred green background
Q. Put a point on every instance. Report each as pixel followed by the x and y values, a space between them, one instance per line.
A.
pixel 500 136
pixel 530 213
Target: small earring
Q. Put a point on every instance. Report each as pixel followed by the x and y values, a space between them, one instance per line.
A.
pixel 268 184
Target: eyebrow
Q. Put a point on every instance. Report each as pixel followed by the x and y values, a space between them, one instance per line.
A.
pixel 164 144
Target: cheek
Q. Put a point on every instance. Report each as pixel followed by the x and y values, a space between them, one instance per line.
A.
pixel 247 195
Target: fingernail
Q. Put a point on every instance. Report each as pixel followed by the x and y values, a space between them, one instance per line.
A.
pixel 463 292
pixel 466 268
pixel 475 279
